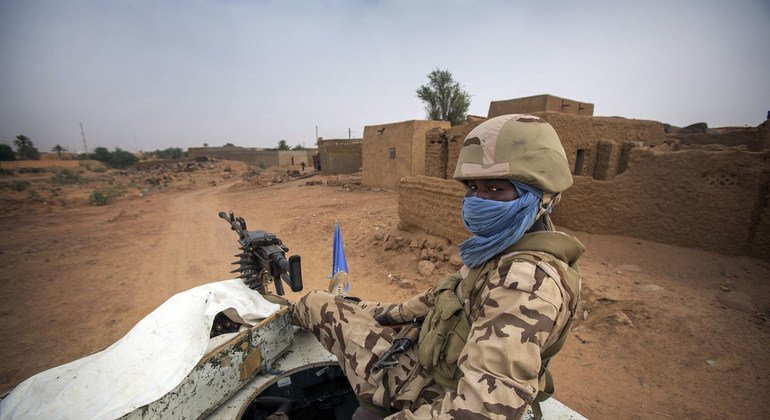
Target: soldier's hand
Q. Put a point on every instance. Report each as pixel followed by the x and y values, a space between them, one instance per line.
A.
pixel 339 284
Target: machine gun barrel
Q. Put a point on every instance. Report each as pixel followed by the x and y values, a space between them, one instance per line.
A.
pixel 263 258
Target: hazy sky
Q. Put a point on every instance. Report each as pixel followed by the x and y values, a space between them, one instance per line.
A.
pixel 155 74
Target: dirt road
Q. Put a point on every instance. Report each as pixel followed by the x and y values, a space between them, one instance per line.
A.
pixel 665 332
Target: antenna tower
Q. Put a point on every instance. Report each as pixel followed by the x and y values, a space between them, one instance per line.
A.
pixel 83 133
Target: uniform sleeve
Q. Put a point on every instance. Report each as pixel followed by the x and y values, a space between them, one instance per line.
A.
pixel 416 307
pixel 501 359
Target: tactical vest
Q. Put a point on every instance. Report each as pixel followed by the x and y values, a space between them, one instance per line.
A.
pixel 446 327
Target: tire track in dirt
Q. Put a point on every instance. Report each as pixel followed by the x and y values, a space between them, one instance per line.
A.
pixel 194 248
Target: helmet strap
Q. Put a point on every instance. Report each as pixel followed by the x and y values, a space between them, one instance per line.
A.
pixel 547 203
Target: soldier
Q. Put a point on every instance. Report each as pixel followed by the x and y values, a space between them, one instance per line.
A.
pixel 488 331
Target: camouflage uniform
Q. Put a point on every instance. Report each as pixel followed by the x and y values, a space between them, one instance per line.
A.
pixel 516 303
pixel 519 309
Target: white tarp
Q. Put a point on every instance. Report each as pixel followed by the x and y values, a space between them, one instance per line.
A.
pixel 151 360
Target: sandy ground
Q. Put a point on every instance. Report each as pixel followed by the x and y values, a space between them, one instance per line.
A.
pixel 664 331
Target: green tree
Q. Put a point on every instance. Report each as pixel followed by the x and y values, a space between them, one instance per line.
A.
pixel 58 149
pixel 121 159
pixel 173 153
pixel 6 153
pixel 117 159
pixel 298 147
pixel 25 148
pixel 102 154
pixel 444 98
pixel 283 145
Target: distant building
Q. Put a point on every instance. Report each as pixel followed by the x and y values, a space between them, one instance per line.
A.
pixel 539 103
pixel 256 156
pixel 341 156
pixel 392 151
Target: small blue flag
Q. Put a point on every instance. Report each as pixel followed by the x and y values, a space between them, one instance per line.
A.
pixel 339 262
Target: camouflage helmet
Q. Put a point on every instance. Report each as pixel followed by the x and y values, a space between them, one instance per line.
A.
pixel 521 147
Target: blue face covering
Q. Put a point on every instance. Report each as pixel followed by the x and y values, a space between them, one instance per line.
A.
pixel 496 225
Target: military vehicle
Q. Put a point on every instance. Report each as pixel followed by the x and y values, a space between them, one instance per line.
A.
pixel 249 371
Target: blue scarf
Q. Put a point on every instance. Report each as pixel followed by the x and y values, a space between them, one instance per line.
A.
pixel 496 225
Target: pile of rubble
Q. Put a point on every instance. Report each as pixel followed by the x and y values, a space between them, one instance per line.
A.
pixel 165 172
pixel 347 182
pixel 435 256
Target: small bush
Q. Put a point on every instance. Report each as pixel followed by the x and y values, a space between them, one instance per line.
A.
pixel 34 195
pixel 67 177
pixel 31 170
pixel 117 159
pixel 15 185
pixel 6 152
pixel 7 172
pixel 98 198
pixel 263 166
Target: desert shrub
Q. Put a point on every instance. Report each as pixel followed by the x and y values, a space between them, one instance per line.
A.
pixel 263 166
pixel 100 169
pixel 34 195
pixel 15 185
pixel 122 159
pixel 98 198
pixel 7 172
pixel 67 177
pixel 173 153
pixel 104 196
pixel 6 153
pixel 227 169
pixel 30 170
pixel 117 159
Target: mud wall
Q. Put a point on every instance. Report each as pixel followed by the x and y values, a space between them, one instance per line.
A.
pixel 280 158
pixel 713 200
pixel 392 151
pixel 240 154
pixel 600 145
pixel 289 158
pixel 432 205
pixel 754 138
pixel 694 198
pixel 539 103
pixel 341 156
pixel 436 153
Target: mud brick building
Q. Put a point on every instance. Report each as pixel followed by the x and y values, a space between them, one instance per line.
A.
pixel 341 156
pixel 256 156
pixel 539 103
pixel 694 186
pixel 393 151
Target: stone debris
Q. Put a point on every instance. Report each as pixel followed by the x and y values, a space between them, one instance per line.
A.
pixel 433 254
pixel 425 268
pixel 455 261
pixel 621 318
pixel 631 268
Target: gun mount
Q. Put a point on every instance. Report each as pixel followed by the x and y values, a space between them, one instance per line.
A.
pixel 263 259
